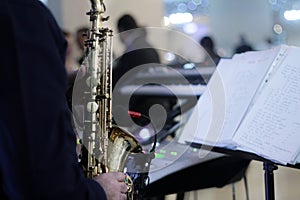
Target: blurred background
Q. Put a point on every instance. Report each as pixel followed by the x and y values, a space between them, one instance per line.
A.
pixel 260 22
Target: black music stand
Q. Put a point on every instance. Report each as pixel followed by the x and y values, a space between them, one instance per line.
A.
pixel 269 166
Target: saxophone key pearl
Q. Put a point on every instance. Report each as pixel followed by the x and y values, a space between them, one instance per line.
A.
pixel 92 107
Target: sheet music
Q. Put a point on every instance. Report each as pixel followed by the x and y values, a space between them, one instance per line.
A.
pixel 249 70
pixel 230 91
pixel 198 124
pixel 272 126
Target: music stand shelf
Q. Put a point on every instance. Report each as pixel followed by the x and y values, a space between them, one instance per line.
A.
pixel 268 165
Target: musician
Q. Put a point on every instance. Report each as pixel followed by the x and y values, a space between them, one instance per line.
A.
pixel 209 46
pixel 138 51
pixel 37 145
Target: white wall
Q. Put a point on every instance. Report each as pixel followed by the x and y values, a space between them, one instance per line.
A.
pixel 227 19
pixel 230 18
pixel 148 13
pixel 74 14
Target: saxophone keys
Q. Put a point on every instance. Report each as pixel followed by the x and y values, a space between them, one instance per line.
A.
pixel 92 107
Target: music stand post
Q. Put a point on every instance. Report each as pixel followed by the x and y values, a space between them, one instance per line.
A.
pixel 269 180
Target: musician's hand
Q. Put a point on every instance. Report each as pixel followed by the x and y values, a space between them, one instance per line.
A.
pixel 113 184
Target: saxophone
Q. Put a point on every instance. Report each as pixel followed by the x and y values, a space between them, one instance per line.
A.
pixel 108 145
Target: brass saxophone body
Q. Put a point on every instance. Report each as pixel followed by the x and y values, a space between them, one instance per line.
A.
pixel 108 145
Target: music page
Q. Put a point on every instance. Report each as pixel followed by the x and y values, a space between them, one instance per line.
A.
pixel 271 127
pixel 226 99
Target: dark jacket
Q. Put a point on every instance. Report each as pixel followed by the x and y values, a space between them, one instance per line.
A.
pixel 37 144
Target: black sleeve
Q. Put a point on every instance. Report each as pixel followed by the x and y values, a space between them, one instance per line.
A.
pixel 37 144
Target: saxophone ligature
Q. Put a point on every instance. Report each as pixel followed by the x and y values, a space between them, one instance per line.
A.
pixel 107 146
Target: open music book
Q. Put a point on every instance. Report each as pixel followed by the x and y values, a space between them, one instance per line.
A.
pixel 252 103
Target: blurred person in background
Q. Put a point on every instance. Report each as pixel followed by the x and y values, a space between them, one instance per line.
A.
pixel 81 36
pixel 209 46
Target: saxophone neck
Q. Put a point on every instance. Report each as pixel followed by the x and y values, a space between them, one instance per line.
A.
pixel 98 5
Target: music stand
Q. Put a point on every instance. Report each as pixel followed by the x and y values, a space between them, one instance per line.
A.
pixel 269 166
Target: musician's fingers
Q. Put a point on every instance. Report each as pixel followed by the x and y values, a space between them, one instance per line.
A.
pixel 120 176
pixel 124 188
pixel 123 197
